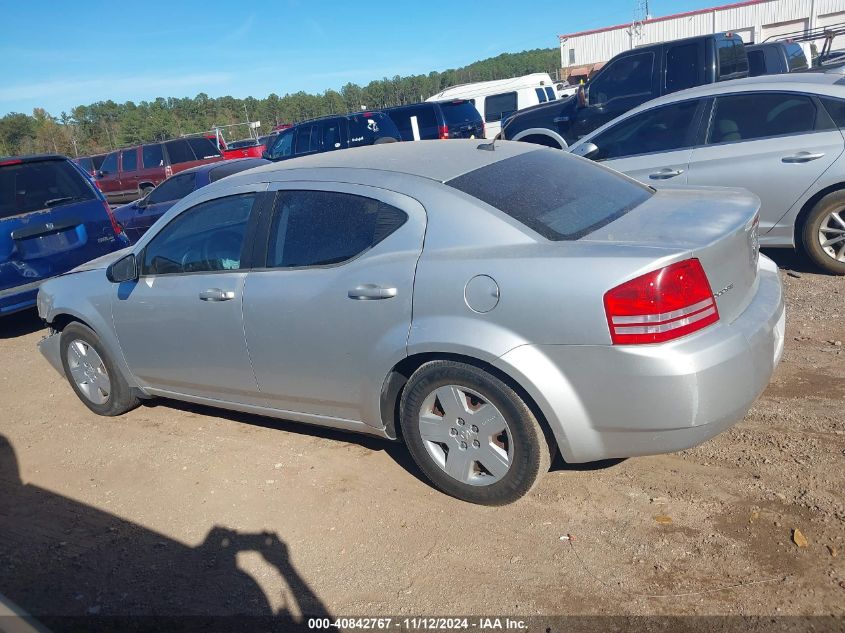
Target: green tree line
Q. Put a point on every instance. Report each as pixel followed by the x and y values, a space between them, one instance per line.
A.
pixel 106 125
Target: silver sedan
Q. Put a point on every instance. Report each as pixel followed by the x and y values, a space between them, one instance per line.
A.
pixel 489 308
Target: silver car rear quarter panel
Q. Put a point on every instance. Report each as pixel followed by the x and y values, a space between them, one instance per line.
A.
pixel 607 401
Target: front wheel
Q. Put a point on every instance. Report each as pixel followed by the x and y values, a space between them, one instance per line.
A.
pixel 823 233
pixel 471 434
pixel 92 374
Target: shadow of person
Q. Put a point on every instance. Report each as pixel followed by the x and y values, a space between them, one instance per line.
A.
pixel 76 567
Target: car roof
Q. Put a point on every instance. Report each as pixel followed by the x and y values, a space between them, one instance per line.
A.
pixel 210 166
pixel 432 159
pixel 32 158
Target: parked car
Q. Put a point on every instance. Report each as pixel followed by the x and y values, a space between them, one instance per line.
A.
pixel 775 58
pixel 245 148
pixel 91 164
pixel 133 172
pixel 500 98
pixel 627 81
pixel 781 136
pixel 407 310
pixel 331 133
pixel 437 120
pixel 138 216
pixel 52 219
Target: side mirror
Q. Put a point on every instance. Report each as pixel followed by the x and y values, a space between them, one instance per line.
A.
pixel 124 269
pixel 100 173
pixel 142 203
pixel 587 150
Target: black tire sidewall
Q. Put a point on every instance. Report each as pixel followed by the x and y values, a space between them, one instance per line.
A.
pixel 810 231
pixel 120 398
pixel 527 437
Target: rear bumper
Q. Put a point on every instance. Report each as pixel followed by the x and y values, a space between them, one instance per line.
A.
pixel 607 401
pixel 19 297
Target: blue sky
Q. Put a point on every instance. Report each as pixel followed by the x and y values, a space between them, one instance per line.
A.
pixel 56 54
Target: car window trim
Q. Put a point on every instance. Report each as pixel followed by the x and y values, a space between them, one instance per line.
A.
pixel 247 250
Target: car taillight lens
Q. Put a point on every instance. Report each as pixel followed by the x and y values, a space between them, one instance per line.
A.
pixel 114 223
pixel 661 305
pixel 444 131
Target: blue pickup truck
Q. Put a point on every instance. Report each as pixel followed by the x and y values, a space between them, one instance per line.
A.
pixel 52 219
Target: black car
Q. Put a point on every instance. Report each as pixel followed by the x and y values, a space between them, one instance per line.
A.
pixel 775 58
pixel 457 118
pixel 332 132
pixel 627 81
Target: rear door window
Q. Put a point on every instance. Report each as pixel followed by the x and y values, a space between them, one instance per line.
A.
pixel 129 159
pixel 179 151
pixel 755 115
pixel 332 134
pixel 756 63
pixel 308 138
pixel 663 129
pixel 496 107
pixel 836 109
pixel 319 228
pixel 554 193
pixel 203 148
pixel 683 66
pixel 32 186
pixel 152 156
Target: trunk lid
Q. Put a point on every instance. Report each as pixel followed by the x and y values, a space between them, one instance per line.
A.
pixel 716 226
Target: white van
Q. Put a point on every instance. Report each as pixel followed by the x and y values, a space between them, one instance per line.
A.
pixel 499 98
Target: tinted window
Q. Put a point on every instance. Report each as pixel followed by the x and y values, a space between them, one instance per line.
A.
pixel 550 93
pixel 179 152
pixel 109 165
pixel 836 109
pixel 796 60
pixel 541 95
pixel 129 159
pixel 282 146
pixel 207 237
pixel 308 138
pixel 86 163
pixel 756 63
pixel 626 77
pixel 683 67
pixel 460 112
pixel 229 167
pixel 365 129
pixel 426 121
pixel 558 195
pixel 203 148
pixel 661 129
pixel 733 60
pixel 248 142
pixel 748 116
pixel 498 106
pixel 33 186
pixel 314 228
pixel 152 156
pixel 174 188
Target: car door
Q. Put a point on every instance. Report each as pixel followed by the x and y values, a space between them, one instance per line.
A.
pixel 180 325
pixel 129 172
pixel 652 146
pixel 776 144
pixel 328 316
pixel 108 177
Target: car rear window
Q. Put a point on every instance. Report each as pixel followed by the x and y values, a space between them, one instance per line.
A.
pixel 203 148
pixel 554 193
pixel 26 187
pixel 459 112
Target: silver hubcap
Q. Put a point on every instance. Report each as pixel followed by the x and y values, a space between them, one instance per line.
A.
pixel 832 235
pixel 466 435
pixel 88 371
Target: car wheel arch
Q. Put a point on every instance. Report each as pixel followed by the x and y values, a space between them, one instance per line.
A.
pixel 397 378
pixel 807 208
pixel 534 135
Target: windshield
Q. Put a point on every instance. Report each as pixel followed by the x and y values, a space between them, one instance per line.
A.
pixel 559 196
pixel 26 187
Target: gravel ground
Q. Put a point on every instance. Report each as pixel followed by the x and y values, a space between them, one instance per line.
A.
pixel 176 509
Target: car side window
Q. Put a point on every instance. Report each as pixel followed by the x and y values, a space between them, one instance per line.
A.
pixel 283 145
pixel 206 238
pixel 203 148
pixel 550 92
pixel 318 228
pixel 152 156
pixel 332 136
pixel 109 165
pixel 179 151
pixel 661 129
pixel 308 138
pixel 756 115
pixel 836 109
pixel 683 68
pixel 627 77
pixel 541 95
pixel 129 159
pixel 496 107
pixel 174 188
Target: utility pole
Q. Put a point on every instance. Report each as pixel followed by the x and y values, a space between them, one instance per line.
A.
pixel 641 14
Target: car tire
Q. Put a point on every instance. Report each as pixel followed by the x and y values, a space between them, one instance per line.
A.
pixel 490 468
pixel 92 374
pixel 824 216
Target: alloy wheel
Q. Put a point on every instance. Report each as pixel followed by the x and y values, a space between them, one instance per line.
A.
pixel 88 371
pixel 832 235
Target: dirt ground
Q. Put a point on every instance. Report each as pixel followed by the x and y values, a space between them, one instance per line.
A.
pixel 176 509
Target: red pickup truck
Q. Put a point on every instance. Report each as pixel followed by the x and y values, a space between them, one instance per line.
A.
pixel 131 173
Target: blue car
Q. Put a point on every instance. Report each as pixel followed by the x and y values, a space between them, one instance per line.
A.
pixel 52 219
pixel 136 217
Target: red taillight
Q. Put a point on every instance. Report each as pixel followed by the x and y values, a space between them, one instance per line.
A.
pixel 114 223
pixel 661 305
pixel 443 131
